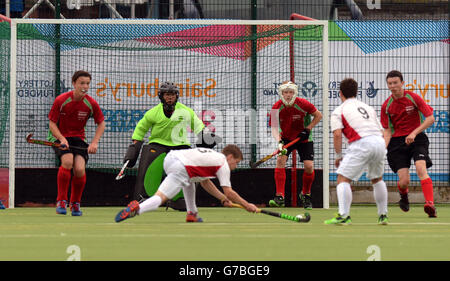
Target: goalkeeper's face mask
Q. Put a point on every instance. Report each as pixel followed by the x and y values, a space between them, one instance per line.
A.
pixel 288 92
pixel 169 101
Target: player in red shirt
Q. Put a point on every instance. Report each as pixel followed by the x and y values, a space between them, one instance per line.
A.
pixel 405 116
pixel 68 117
pixel 291 118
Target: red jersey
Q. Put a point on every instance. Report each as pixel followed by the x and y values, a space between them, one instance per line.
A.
pixel 405 114
pixel 292 119
pixel 71 116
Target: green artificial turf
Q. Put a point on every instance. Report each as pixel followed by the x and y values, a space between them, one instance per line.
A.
pixel 226 234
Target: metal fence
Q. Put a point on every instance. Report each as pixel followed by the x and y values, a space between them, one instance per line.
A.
pixel 231 9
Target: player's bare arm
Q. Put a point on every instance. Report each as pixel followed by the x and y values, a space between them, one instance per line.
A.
pixel 337 142
pixel 211 188
pixel 317 116
pixel 93 146
pixel 57 133
pixel 387 135
pixel 276 134
pixel 233 196
pixel 425 124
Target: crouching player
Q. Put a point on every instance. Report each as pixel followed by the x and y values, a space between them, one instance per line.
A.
pixel 183 169
pixel 366 150
pixel 167 123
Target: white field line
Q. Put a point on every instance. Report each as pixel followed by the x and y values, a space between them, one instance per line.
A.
pixel 218 236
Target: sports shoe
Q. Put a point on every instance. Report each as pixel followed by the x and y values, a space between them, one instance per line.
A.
pixel 192 217
pixel 383 220
pixel 306 200
pixel 61 207
pixel 404 202
pixel 339 220
pixel 130 211
pixel 75 208
pixel 430 209
pixel 278 201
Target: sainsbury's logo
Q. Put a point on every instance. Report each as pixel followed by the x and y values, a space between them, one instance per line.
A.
pixel 121 90
pixel 429 90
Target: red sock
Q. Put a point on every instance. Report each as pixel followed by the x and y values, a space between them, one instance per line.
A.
pixel 280 180
pixel 307 182
pixel 427 189
pixel 77 188
pixel 63 181
pixel 402 190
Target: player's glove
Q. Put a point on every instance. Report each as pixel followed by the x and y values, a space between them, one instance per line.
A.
pixel 283 151
pixel 208 140
pixel 304 135
pixel 132 154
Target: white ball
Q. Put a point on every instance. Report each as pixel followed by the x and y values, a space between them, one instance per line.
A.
pixel 299 217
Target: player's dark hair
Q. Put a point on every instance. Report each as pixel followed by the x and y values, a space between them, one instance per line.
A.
pixel 80 73
pixel 394 73
pixel 233 150
pixel 349 88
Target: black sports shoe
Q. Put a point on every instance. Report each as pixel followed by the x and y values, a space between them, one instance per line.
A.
pixel 404 202
pixel 306 200
pixel 278 201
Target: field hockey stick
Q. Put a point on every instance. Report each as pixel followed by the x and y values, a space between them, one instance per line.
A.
pixel 121 173
pixel 259 162
pixel 306 217
pixel 52 144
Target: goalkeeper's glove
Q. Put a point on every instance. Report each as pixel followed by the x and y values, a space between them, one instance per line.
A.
pixel 208 140
pixel 132 153
pixel 304 135
pixel 282 151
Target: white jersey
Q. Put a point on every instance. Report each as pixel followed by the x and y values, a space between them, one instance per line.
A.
pixel 356 119
pixel 203 163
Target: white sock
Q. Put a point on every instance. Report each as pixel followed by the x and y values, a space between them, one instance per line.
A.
pixel 381 197
pixel 344 195
pixel 150 204
pixel 189 197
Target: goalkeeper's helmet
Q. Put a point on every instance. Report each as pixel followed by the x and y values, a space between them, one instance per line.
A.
pixel 288 86
pixel 168 87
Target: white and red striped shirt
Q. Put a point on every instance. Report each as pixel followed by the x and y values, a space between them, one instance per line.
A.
pixel 356 119
pixel 203 163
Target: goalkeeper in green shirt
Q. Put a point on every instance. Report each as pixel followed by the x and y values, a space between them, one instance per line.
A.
pixel 167 122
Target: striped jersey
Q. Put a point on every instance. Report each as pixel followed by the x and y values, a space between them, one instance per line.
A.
pixel 405 114
pixel 71 116
pixel 356 119
pixel 204 163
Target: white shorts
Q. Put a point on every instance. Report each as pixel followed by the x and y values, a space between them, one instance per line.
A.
pixel 364 155
pixel 177 177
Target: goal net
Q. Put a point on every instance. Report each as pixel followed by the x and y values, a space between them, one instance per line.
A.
pixel 228 72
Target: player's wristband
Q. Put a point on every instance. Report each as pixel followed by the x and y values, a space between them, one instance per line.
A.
pixel 338 155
